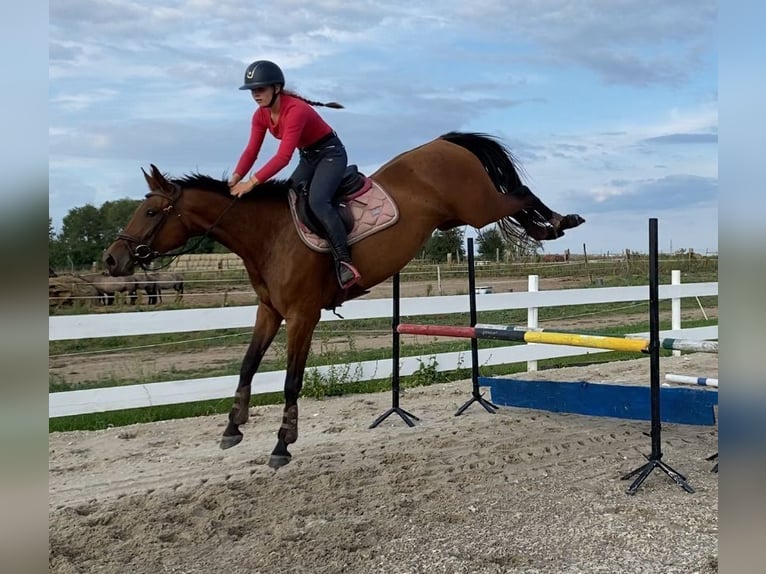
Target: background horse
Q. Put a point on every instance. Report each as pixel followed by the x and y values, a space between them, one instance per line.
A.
pixel 146 282
pixel 154 283
pixel 168 280
pixel 107 287
pixel 456 179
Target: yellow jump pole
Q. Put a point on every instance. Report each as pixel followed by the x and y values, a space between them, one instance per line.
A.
pixel 593 341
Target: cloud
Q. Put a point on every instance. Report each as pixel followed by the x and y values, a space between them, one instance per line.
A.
pixel 133 81
pixel 64 52
pixel 151 140
pixel 683 139
pixel 636 42
pixel 81 101
pixel 662 194
pixel 622 67
pixel 567 150
pixel 631 42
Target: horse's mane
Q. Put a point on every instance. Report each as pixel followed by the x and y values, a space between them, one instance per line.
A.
pixel 276 188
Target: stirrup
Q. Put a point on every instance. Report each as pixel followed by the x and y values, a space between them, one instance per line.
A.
pixel 347 274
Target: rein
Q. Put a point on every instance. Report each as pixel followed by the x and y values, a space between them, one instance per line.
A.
pixel 143 253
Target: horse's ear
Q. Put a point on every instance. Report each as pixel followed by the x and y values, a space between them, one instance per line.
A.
pixel 157 175
pixel 149 180
pixel 156 180
pixel 160 179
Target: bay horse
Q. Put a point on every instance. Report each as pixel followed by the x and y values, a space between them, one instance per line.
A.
pixel 456 179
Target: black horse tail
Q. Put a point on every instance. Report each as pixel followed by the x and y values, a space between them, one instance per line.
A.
pixel 503 169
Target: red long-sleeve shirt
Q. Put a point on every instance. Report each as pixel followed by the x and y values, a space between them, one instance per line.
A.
pixel 299 125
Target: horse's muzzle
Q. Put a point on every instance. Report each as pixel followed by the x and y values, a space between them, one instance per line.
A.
pixel 119 259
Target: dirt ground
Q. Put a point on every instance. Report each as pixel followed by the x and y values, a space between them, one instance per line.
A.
pixel 518 491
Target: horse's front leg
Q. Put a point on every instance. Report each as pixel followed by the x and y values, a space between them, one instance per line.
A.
pixel 299 332
pixel 267 322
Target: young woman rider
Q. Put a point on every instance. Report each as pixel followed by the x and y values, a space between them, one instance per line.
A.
pixel 291 119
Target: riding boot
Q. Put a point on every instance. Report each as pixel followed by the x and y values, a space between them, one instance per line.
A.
pixel 345 271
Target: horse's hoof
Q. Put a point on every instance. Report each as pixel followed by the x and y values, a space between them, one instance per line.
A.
pixel 572 220
pixel 278 460
pixel 228 441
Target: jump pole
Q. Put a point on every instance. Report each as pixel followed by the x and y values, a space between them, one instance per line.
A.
pixel 687 380
pixel 552 338
pixel 654 460
pixel 690 345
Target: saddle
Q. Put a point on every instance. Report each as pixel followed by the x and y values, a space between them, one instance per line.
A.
pixel 352 184
pixel 364 207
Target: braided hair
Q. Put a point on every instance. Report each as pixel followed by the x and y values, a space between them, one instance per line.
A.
pixel 334 105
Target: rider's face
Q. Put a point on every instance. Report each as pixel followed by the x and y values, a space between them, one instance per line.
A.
pixel 262 95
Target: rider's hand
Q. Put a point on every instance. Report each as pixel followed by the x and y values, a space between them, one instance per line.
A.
pixel 244 187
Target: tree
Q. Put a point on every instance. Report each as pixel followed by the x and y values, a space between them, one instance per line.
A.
pixel 82 239
pixel 87 231
pixel 443 242
pixel 115 215
pixel 56 253
pixel 490 243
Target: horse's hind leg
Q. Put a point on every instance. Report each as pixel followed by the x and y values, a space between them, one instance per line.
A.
pixel 542 223
pixel 267 323
pixel 299 332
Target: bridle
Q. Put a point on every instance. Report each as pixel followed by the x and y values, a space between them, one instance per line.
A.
pixel 141 250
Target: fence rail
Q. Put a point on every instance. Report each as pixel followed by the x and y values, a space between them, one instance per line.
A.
pixel 176 321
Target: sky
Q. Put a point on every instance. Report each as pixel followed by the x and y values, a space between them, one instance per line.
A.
pixel 611 106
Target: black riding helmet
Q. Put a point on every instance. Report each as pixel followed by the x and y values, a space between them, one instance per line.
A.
pixel 262 73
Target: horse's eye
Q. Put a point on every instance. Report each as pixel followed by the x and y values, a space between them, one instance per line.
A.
pixel 151 212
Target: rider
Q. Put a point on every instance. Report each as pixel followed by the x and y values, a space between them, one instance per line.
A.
pixel 291 119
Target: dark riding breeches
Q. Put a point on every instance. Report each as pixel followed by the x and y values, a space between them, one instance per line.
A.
pixel 323 167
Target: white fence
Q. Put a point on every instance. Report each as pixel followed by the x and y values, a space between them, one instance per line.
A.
pixel 175 392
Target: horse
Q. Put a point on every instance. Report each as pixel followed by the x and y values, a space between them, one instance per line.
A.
pixel 154 283
pixel 148 283
pixel 454 180
pixel 107 287
pixel 168 280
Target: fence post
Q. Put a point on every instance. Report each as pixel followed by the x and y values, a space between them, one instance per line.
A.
pixel 533 286
pixel 675 308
